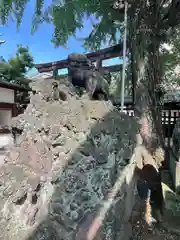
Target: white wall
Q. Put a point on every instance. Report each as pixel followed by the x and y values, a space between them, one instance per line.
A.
pixel 5 117
pixel 6 140
pixel 6 95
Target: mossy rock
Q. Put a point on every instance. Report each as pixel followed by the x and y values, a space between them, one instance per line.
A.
pixel 171 216
pixel 171 200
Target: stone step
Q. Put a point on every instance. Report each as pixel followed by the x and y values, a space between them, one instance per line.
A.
pixel 166 178
pixel 171 216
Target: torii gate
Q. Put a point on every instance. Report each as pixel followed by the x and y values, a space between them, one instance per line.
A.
pixel 97 57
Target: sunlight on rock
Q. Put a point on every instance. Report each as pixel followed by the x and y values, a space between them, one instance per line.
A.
pixel 69 159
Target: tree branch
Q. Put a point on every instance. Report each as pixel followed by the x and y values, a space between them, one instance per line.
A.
pixel 172 18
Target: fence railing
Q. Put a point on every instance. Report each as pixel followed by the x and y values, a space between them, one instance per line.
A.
pixel 169 118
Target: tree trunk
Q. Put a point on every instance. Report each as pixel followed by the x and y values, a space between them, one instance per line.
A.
pixel 146 76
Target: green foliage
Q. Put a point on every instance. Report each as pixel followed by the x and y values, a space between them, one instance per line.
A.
pixel 67 17
pixel 115 86
pixel 170 59
pixel 15 69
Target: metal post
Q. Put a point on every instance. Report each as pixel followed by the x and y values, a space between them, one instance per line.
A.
pixel 124 55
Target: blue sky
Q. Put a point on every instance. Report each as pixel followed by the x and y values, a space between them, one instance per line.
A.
pixel 39 44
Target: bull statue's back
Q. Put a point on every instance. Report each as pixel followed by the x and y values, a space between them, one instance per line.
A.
pixel 78 58
pixel 82 73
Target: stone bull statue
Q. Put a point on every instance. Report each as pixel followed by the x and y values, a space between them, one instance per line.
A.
pixel 83 74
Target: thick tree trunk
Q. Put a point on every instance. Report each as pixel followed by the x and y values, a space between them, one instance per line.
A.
pixel 147 99
pixel 147 78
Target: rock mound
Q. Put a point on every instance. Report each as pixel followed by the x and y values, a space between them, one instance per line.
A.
pixel 64 164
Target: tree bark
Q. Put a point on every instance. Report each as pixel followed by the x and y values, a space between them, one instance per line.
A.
pixel 147 74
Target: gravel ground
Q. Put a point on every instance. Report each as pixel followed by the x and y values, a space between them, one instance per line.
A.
pixel 140 232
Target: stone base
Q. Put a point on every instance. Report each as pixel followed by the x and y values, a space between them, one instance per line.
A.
pixel 174 167
pixel 171 216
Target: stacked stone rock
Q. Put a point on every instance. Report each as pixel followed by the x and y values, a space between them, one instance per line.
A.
pixel 65 163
